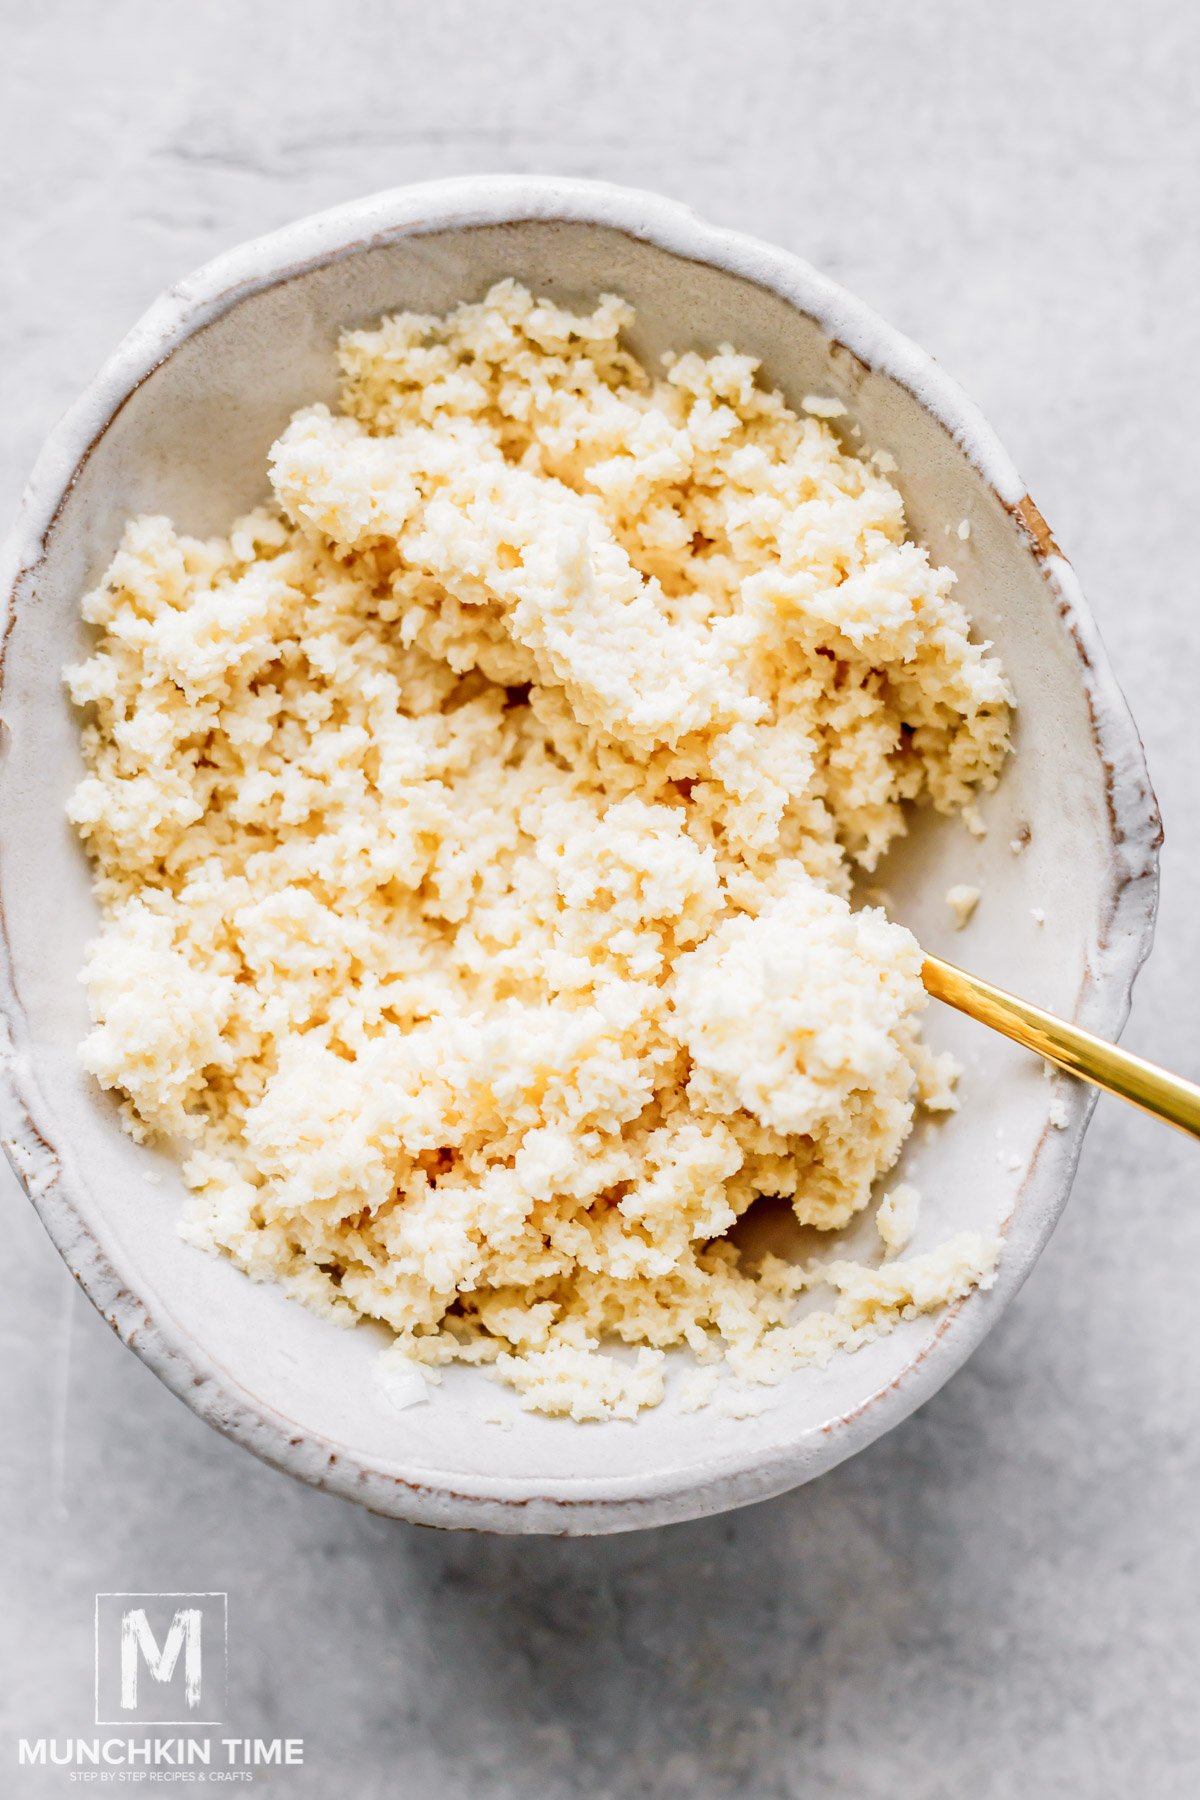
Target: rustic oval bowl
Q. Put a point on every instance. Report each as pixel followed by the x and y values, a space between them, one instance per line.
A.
pixel 179 421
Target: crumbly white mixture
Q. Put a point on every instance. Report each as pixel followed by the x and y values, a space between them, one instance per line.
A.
pixel 896 1216
pixel 474 834
pixel 962 901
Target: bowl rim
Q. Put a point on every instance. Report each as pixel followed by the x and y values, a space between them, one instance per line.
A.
pixel 590 1504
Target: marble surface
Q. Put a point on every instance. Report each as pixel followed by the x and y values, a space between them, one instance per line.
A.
pixel 998 1598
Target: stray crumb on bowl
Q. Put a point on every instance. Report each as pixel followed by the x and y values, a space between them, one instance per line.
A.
pixel 962 901
pixel 698 1387
pixel 823 407
pixel 402 1382
pixel 740 1403
pixel 896 1220
pixel 1058 1115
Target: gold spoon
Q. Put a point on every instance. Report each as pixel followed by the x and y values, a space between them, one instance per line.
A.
pixel 1167 1096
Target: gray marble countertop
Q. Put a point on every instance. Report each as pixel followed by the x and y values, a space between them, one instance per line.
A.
pixel 1000 1598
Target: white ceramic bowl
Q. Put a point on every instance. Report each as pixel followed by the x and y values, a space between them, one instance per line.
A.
pixel 178 421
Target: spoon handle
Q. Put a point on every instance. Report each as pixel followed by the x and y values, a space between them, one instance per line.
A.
pixel 1167 1096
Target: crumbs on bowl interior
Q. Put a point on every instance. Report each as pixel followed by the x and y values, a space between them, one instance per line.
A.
pixel 962 901
pixel 896 1216
pixel 473 831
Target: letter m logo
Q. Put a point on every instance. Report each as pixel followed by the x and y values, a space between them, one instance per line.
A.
pixel 160 1658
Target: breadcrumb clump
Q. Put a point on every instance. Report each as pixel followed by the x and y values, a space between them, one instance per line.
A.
pixel 474 834
pixel 962 901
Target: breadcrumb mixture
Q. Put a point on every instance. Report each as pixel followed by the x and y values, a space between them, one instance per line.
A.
pixel 962 901
pixel 474 833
